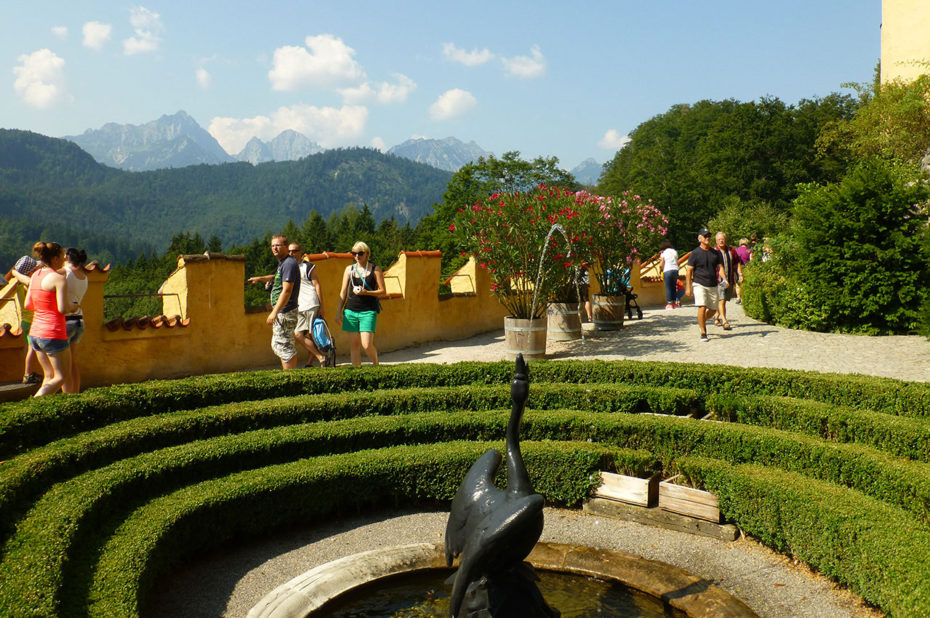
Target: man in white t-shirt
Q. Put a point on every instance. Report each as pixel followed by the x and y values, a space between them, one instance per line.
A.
pixel 309 304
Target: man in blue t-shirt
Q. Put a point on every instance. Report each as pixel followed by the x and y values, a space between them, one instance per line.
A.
pixel 705 269
pixel 284 295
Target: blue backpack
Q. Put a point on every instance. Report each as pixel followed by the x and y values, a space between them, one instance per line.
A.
pixel 321 335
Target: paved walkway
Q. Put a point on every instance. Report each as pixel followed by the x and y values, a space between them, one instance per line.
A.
pixel 231 582
pixel 672 335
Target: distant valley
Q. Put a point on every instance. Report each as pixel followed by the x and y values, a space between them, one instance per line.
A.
pixel 51 186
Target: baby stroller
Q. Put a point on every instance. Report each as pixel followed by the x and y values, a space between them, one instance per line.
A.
pixel 618 281
pixel 323 339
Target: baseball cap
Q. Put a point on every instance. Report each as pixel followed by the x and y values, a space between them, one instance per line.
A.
pixel 703 232
pixel 25 265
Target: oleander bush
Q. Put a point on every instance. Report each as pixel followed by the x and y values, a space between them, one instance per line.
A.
pixel 102 492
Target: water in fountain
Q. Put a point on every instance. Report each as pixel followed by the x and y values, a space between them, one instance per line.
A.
pixel 424 595
pixel 556 227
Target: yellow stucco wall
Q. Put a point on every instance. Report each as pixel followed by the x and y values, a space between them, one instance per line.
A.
pixel 206 291
pixel 905 39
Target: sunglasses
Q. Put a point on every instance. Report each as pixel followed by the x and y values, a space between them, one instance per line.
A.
pixel 357 253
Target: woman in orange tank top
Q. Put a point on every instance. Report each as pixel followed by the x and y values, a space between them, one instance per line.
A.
pixel 48 295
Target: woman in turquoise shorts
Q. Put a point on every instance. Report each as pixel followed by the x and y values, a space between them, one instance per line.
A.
pixel 362 286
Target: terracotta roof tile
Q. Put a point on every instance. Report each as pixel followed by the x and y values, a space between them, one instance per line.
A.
pixel 146 322
pixel 95 265
pixel 430 254
pixel 7 330
pixel 316 257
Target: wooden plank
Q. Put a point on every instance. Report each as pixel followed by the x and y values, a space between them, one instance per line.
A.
pixel 679 492
pixel 661 519
pixel 689 501
pixel 630 489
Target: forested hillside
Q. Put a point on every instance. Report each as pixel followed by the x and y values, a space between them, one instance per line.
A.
pixel 51 189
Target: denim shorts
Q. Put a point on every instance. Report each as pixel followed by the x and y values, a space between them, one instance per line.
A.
pixel 75 330
pixel 48 346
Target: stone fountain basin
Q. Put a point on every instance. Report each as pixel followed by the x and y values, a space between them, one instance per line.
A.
pixel 681 590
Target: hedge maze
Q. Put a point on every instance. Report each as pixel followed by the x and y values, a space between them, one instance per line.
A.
pixel 102 492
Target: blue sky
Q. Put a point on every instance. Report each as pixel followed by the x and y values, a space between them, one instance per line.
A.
pixel 545 78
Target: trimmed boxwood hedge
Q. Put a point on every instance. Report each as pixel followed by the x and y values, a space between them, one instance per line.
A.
pixel 33 422
pixel 877 550
pixel 33 566
pixel 24 477
pixel 102 491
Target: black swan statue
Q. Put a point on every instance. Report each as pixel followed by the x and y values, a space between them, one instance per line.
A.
pixel 494 530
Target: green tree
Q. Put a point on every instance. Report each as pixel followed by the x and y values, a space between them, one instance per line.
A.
pixel 693 157
pixel 855 260
pixel 893 121
pixel 477 180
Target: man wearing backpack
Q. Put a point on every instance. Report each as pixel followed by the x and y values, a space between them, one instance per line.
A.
pixel 309 305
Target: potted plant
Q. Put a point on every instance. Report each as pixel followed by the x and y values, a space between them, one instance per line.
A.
pixel 617 230
pixel 512 236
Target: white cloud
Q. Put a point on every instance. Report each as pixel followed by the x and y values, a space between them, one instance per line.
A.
pixel 204 79
pixel 60 31
pixel 327 126
pixel 612 140
pixel 379 144
pixel 325 61
pixel 383 92
pixel 452 104
pixel 96 34
pixel 40 79
pixel 524 66
pixel 469 59
pixel 147 26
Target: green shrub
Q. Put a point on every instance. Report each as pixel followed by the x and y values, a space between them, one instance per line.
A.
pixel 259 500
pixel 40 421
pixel 855 261
pixel 905 437
pixel 877 550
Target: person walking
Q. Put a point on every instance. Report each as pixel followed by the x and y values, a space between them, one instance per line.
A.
pixel 744 256
pixel 284 296
pixel 362 286
pixel 309 304
pixel 22 271
pixel 74 319
pixel 668 264
pixel 733 275
pixel 48 297
pixel 701 276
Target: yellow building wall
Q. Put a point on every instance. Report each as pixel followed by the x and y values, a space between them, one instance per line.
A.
pixel 215 332
pixel 905 39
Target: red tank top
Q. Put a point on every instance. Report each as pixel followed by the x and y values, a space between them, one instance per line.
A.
pixel 48 322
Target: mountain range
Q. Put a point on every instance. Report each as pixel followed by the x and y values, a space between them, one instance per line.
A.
pixel 448 154
pixel 588 172
pixel 52 188
pixel 178 141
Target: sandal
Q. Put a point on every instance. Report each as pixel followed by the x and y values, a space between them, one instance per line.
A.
pixel 726 326
pixel 717 322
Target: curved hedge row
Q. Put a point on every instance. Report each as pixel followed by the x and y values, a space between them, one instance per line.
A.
pixel 101 491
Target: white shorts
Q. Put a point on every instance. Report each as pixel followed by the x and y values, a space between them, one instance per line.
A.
pixel 705 296
pixel 305 319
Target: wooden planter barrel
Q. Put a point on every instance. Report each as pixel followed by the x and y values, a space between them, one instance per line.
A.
pixel 526 337
pixel 564 323
pixel 608 311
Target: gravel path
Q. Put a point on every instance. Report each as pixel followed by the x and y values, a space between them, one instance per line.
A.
pixel 231 582
pixel 672 335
